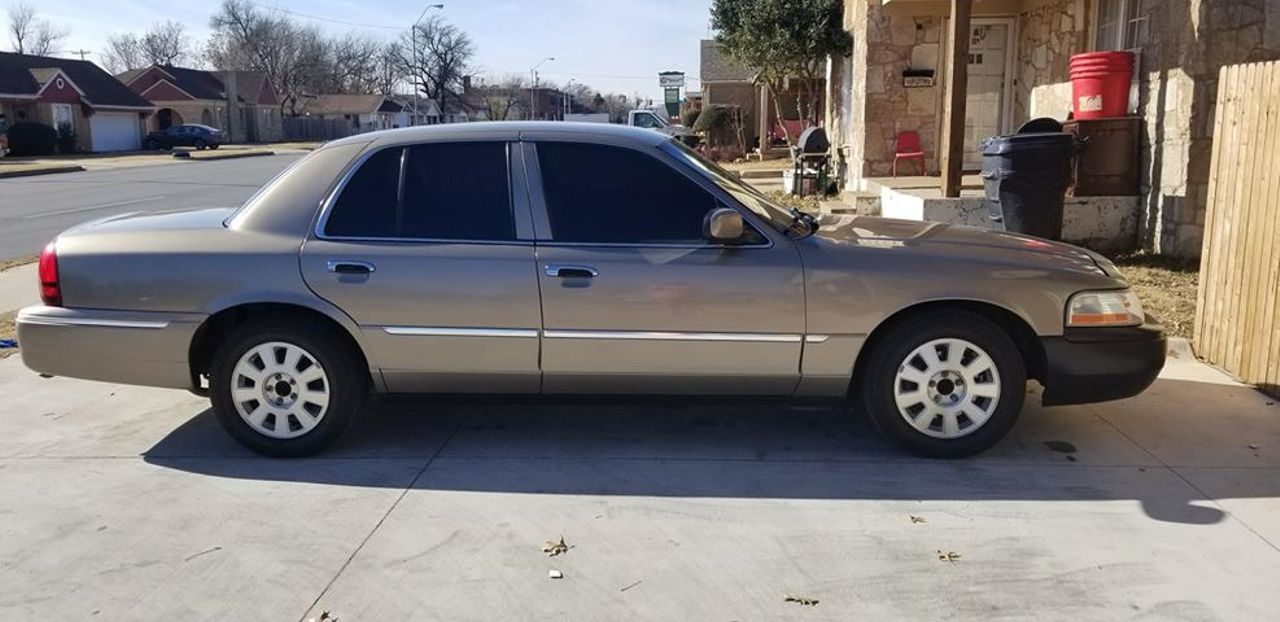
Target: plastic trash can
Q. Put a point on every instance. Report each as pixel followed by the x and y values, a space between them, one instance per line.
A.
pixel 1025 178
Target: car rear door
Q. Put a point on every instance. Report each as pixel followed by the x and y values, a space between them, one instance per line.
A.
pixel 428 249
pixel 635 299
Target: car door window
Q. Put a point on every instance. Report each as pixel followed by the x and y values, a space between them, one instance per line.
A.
pixel 367 206
pixel 457 191
pixel 449 191
pixel 603 194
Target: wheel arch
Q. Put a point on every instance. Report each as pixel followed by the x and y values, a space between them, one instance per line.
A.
pixel 1014 325
pixel 227 317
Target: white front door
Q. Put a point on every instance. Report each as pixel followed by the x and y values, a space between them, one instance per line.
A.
pixel 985 98
pixel 114 131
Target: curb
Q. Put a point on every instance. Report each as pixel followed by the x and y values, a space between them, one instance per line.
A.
pixel 1180 348
pixel 42 171
pixel 186 155
pixel 760 174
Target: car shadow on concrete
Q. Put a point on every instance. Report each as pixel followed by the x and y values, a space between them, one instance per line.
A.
pixel 728 450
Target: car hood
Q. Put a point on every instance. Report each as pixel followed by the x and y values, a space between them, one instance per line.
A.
pixel 960 242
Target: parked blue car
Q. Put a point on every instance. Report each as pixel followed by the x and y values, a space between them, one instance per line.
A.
pixel 193 135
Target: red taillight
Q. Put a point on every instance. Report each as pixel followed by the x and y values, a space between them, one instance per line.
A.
pixel 50 290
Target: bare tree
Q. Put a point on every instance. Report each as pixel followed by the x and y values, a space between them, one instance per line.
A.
pixel 355 65
pixel 500 101
pixel 166 43
pixel 389 73
pixel 29 35
pixel 292 56
pixel 435 56
pixel 123 53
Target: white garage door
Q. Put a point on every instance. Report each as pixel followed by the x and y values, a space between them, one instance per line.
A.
pixel 114 131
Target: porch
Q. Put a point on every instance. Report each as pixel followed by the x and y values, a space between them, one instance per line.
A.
pixel 1107 224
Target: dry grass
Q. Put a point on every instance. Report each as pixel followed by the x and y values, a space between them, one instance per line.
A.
pixel 807 204
pixel 8 331
pixel 1167 288
pixel 6 264
pixel 776 164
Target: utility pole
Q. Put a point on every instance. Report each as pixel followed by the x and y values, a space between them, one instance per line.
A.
pixel 413 34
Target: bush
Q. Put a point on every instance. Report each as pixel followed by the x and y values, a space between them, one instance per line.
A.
pixel 66 138
pixel 689 116
pixel 713 117
pixel 32 139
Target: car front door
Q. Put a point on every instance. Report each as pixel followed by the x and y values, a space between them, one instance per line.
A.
pixel 430 252
pixel 636 300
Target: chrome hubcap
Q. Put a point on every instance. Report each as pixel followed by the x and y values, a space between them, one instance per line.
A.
pixel 947 388
pixel 280 390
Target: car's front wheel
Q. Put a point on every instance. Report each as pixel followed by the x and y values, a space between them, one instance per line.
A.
pixel 285 388
pixel 153 144
pixel 200 144
pixel 945 384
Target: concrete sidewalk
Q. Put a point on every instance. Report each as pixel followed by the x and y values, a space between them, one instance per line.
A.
pixel 124 503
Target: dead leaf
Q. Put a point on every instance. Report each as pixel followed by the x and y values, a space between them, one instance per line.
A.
pixel 555 548
pixel 325 616
pixel 916 519
pixel 801 600
pixel 949 557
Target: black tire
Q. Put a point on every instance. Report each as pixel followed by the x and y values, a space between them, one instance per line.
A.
pixel 214 146
pixel 200 144
pixel 348 384
pixel 890 352
pixel 153 144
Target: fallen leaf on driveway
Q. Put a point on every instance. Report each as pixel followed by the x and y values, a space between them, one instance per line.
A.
pixel 555 548
pixel 802 600
pixel 916 519
pixel 325 616
pixel 949 556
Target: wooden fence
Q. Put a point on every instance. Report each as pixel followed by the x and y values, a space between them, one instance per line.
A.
pixel 307 128
pixel 1237 315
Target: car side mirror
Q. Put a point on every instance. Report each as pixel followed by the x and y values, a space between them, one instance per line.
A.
pixel 723 225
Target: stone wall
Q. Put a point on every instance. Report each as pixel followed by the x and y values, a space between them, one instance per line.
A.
pixel 898 42
pixel 1188 43
pixel 1048 34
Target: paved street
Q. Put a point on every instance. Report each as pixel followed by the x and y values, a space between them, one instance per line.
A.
pixel 34 209
pixel 123 503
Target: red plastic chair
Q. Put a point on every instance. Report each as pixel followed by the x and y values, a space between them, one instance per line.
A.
pixel 907 147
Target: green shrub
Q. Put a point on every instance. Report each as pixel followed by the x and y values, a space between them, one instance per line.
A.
pixel 689 116
pixel 32 139
pixel 66 138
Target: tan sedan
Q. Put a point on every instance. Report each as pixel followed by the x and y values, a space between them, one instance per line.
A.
pixel 556 258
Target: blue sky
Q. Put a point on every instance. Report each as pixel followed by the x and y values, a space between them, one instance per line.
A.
pixel 613 45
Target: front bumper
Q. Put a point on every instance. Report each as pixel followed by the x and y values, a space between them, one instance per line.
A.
pixel 1088 365
pixel 143 348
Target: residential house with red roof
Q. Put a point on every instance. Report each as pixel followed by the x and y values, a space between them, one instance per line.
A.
pixel 104 114
pixel 244 104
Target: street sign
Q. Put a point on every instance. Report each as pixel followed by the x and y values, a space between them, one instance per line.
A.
pixel 671 79
pixel 670 95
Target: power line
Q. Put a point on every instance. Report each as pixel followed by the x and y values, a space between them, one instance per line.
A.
pixel 329 19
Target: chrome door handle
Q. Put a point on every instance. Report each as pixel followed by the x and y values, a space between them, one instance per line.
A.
pixel 344 266
pixel 568 271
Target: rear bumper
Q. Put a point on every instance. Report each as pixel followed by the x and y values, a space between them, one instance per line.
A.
pixel 1087 365
pixel 142 348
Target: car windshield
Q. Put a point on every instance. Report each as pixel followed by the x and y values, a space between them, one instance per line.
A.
pixel 748 196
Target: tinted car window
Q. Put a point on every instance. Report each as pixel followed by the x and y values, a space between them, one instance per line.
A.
pixel 458 191
pixel 367 205
pixel 597 193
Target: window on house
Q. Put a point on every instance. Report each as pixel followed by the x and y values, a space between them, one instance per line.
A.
pixel 62 115
pixel 1121 24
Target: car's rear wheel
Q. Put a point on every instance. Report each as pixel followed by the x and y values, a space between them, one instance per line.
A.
pixel 200 144
pixel 945 384
pixel 285 389
pixel 153 144
pixel 214 146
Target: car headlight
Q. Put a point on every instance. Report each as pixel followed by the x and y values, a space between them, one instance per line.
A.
pixel 1119 307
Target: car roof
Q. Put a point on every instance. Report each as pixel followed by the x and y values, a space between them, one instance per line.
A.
pixel 506 130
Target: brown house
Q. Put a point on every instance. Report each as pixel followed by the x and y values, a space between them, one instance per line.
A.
pixel 103 113
pixel 242 103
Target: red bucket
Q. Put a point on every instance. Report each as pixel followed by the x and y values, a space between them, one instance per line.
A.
pixel 1100 84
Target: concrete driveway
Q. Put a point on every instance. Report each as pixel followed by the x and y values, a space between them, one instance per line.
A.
pixel 121 503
